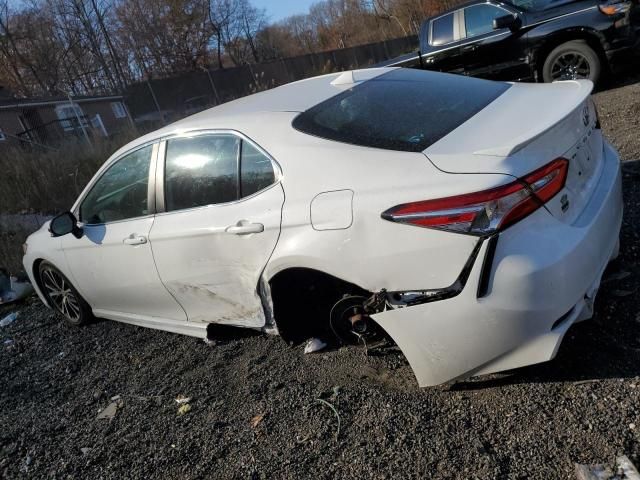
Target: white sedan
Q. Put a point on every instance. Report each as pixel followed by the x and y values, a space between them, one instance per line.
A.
pixel 470 220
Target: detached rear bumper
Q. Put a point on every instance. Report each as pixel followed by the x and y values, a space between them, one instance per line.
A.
pixel 544 277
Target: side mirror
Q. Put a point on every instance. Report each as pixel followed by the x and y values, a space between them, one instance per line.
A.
pixel 512 22
pixel 63 224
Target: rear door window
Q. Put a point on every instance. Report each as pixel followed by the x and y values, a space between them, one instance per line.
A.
pixel 201 170
pixel 256 170
pixel 442 30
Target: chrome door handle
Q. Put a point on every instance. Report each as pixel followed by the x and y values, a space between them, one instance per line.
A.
pixel 470 48
pixel 134 239
pixel 243 228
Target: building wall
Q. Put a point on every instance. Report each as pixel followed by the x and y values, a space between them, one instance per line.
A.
pixel 51 130
pixel 9 122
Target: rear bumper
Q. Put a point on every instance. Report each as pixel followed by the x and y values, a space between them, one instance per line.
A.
pixel 544 277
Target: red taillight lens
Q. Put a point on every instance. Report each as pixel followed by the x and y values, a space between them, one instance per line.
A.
pixel 483 213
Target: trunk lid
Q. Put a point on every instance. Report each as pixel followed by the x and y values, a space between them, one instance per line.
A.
pixel 525 129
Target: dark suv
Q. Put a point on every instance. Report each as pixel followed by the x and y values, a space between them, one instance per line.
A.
pixel 542 40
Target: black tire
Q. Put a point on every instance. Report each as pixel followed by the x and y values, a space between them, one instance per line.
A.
pixel 572 61
pixel 63 296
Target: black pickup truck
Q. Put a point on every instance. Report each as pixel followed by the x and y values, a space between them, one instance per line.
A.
pixel 541 40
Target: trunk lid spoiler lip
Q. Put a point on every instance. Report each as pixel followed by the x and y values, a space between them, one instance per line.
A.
pixel 514 145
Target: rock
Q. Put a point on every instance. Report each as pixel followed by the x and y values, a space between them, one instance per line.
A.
pixel 184 408
pixel 110 411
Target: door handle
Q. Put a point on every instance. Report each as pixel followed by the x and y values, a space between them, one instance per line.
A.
pixel 470 48
pixel 245 228
pixel 134 239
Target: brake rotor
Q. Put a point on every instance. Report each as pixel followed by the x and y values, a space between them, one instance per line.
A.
pixel 348 319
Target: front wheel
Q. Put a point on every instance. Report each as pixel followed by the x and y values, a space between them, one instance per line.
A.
pixel 572 60
pixel 62 296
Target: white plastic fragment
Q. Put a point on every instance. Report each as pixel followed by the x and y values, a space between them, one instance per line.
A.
pixel 627 469
pixel 182 399
pixel 314 345
pixel 9 319
pixel 12 288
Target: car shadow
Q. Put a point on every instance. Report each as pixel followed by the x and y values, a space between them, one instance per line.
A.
pixel 628 75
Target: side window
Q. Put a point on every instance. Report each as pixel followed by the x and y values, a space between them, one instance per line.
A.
pixel 442 30
pixel 121 192
pixel 201 170
pixel 478 19
pixel 256 170
pixel 118 110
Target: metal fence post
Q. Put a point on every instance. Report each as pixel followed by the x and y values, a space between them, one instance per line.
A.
pixel 155 100
pixel 213 85
pixel 84 131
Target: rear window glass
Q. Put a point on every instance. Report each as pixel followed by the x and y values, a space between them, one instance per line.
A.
pixel 442 30
pixel 405 109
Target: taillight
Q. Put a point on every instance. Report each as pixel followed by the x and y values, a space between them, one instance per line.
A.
pixel 483 213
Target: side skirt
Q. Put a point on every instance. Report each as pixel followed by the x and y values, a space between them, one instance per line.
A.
pixel 193 329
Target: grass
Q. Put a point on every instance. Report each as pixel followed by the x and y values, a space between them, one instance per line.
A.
pixel 46 182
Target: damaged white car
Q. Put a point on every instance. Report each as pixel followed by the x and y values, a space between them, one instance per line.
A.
pixel 470 220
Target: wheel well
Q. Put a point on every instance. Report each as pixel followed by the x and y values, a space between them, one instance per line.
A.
pixel 302 300
pixel 591 38
pixel 36 274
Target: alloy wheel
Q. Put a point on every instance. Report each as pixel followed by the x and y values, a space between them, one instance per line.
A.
pixel 570 66
pixel 61 294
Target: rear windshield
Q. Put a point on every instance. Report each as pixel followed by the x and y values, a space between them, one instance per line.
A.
pixel 405 109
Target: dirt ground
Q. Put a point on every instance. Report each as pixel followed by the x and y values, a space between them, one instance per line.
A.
pixel 257 410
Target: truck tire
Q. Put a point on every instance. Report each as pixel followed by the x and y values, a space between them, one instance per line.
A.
pixel 572 60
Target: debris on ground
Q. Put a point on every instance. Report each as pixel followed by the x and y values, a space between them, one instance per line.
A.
pixel 335 411
pixel 622 293
pixel 13 288
pixel 184 408
pixel 625 470
pixel 615 277
pixel 112 408
pixel 314 345
pixel 85 450
pixel 209 342
pixel 9 319
pixel 180 399
pixel 255 421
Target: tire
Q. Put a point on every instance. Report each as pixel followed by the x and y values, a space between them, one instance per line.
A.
pixel 62 296
pixel 572 61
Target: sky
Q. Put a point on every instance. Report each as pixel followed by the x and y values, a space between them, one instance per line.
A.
pixel 279 9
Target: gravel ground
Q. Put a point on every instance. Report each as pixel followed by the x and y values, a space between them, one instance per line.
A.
pixel 256 409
